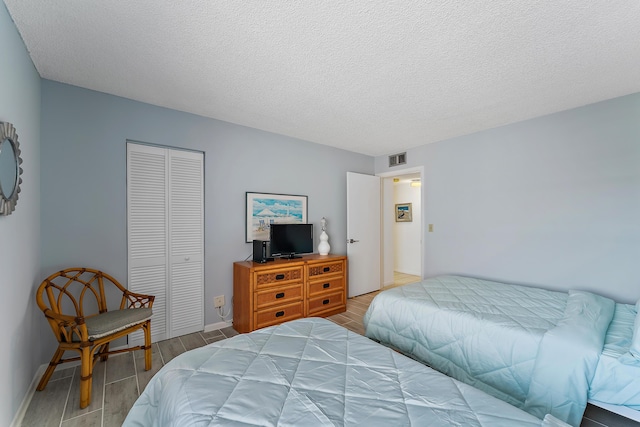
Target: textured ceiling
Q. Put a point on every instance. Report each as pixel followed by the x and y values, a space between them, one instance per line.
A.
pixel 374 77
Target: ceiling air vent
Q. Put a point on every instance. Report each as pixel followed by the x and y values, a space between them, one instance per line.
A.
pixel 397 159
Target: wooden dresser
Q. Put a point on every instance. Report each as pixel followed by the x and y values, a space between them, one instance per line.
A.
pixel 281 290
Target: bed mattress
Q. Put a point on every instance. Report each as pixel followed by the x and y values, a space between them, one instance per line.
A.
pixel 534 348
pixel 311 372
pixel 482 332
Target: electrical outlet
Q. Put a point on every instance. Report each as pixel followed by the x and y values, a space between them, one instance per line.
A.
pixel 218 301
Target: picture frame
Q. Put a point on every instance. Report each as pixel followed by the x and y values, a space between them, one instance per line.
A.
pixel 264 209
pixel 403 212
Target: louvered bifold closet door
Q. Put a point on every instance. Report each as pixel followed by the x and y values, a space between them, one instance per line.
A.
pixel 165 195
pixel 147 231
pixel 186 230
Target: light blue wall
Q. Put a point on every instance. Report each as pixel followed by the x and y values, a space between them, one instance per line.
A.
pixel 84 137
pixel 553 201
pixel 20 231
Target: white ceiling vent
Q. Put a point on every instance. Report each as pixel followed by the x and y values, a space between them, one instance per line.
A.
pixel 397 159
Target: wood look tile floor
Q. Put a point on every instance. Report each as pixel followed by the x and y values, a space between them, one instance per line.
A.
pixel 118 382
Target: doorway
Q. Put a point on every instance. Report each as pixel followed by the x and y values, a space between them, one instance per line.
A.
pixel 402 239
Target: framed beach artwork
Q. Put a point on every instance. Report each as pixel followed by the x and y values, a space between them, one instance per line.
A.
pixel 403 212
pixel 264 209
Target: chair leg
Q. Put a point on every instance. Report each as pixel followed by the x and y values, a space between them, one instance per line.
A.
pixel 147 345
pixel 55 360
pixel 104 349
pixel 86 364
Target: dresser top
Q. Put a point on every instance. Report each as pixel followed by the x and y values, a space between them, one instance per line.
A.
pixel 283 262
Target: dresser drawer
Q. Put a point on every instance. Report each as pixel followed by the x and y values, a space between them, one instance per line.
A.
pixel 279 276
pixel 278 295
pixel 279 314
pixel 326 268
pixel 325 302
pixel 329 285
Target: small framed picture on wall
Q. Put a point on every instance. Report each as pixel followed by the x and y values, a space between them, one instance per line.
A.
pixel 403 212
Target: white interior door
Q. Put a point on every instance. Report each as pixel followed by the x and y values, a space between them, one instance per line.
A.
pixel 363 233
pixel 186 231
pixel 147 240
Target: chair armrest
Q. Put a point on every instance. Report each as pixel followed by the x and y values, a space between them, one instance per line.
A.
pixel 67 326
pixel 135 300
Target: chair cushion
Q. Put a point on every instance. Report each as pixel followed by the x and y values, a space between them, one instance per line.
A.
pixel 113 321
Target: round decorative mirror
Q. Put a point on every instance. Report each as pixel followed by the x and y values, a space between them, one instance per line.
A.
pixel 10 169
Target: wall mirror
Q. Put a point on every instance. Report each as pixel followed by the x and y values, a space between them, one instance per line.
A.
pixel 10 169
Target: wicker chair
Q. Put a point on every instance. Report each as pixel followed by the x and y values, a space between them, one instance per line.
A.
pixel 75 304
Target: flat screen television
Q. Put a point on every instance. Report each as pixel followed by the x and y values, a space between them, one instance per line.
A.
pixel 290 240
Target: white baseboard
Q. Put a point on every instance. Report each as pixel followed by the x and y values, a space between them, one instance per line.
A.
pixel 625 411
pixel 412 273
pixel 22 410
pixel 216 326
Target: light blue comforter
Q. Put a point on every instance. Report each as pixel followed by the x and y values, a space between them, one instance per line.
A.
pixel 617 377
pixel 533 348
pixel 312 372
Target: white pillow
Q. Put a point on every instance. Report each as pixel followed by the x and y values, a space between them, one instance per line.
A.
pixel 635 341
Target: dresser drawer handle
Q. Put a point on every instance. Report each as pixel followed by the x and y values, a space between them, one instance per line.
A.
pixel 325 302
pixel 326 269
pixel 279 276
pixel 280 295
pixel 326 285
pixel 280 314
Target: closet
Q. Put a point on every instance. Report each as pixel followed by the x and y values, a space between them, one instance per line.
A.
pixel 165 236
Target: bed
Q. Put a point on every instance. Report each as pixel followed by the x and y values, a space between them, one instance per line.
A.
pixel 539 350
pixel 616 383
pixel 312 372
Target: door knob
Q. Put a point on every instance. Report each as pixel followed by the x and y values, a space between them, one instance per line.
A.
pixel 187 258
pixel 352 241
